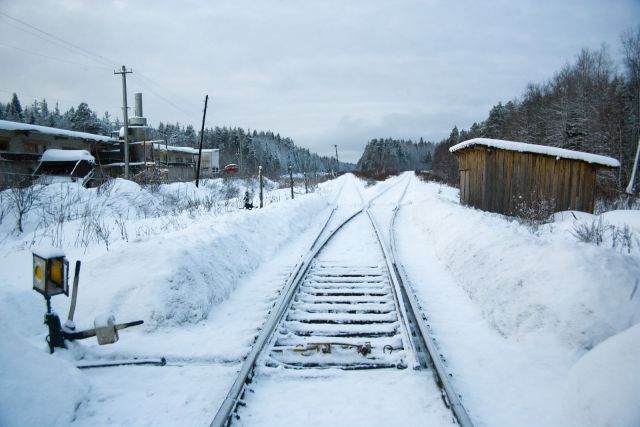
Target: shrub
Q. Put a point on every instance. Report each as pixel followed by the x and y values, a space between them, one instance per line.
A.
pixel 593 232
pixel 534 211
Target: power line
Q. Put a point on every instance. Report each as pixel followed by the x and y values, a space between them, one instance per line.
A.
pixel 108 61
pixel 183 111
pixel 55 58
pixel 84 52
pixel 41 37
pixel 151 81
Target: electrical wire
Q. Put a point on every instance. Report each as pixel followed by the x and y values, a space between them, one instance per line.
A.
pixel 55 58
pixel 45 35
pixel 51 37
pixel 143 83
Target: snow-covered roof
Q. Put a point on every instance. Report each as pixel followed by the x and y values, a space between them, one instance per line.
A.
pixel 46 251
pixel 8 125
pixel 189 150
pixel 55 155
pixel 559 153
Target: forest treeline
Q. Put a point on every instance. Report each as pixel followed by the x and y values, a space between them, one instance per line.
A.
pixel 248 149
pixel 587 106
pixel 388 155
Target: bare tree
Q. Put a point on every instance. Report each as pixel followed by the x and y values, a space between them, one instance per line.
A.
pixel 23 197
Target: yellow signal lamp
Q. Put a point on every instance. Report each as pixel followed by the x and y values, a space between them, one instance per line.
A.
pixel 50 273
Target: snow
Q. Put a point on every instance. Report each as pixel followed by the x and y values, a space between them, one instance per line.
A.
pixel 537 328
pixel 334 398
pixel 37 389
pixel 609 373
pixel 559 153
pixel 161 146
pixel 47 251
pixel 55 155
pixel 8 125
pixel 512 310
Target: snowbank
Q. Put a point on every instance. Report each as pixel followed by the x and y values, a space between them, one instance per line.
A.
pixel 37 389
pixel 526 282
pixel 604 385
pixel 177 277
pixel 170 259
pixel 513 310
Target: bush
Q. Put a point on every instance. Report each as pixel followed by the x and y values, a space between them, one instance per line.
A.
pixel 534 211
pixel 598 230
pixel 429 176
pixel 590 233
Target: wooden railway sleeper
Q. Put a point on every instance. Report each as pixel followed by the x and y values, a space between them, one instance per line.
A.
pixel 325 347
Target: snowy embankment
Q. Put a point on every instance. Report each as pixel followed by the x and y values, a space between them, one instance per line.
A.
pixel 166 256
pixel 537 327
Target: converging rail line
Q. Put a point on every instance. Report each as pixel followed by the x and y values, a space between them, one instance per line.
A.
pixel 345 306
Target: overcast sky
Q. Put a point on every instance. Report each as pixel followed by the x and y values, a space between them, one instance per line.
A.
pixel 321 72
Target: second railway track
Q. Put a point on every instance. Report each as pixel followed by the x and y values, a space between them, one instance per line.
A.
pixel 344 308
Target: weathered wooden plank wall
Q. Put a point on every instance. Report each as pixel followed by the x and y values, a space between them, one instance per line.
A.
pixel 503 181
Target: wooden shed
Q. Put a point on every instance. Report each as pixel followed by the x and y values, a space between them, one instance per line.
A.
pixel 503 176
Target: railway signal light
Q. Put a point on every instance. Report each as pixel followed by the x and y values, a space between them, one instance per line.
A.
pixel 50 273
pixel 51 277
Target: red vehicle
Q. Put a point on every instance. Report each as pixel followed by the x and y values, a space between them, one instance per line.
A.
pixel 231 168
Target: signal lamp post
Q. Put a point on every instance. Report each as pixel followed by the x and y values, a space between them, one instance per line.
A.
pixel 50 278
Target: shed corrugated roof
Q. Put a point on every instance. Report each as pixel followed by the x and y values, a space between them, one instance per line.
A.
pixel 560 153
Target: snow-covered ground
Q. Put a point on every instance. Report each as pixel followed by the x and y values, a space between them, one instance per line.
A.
pixel 537 327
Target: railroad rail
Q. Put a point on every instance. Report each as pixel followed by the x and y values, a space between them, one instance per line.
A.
pixel 345 312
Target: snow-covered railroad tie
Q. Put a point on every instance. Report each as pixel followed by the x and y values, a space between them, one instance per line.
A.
pixel 343 309
pixel 342 316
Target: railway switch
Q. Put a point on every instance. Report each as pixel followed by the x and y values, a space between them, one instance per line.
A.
pixel 106 331
pixel 50 278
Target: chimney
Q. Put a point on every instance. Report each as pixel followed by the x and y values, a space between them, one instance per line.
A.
pixel 138 97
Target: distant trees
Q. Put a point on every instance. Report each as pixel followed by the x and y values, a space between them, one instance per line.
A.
pixel 587 106
pixel 80 118
pixel 445 166
pixel 247 149
pixel 258 148
pixel 13 110
pixel 388 155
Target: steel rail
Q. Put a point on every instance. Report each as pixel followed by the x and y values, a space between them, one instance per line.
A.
pixel 245 375
pixel 396 290
pixel 451 397
pixel 387 189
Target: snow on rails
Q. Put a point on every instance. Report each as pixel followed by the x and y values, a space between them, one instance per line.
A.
pixel 345 306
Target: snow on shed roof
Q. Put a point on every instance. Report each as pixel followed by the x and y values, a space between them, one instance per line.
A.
pixel 8 125
pixel 189 150
pixel 559 153
pixel 55 155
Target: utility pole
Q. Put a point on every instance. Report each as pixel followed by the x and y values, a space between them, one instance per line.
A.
pixel 306 186
pixel 291 179
pixel 206 99
pixel 240 151
pixel 261 186
pixel 337 161
pixel 124 73
pixel 632 181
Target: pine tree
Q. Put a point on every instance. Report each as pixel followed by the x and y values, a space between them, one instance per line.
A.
pixel 14 110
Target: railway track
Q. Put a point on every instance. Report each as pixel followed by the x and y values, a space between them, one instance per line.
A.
pixel 345 307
